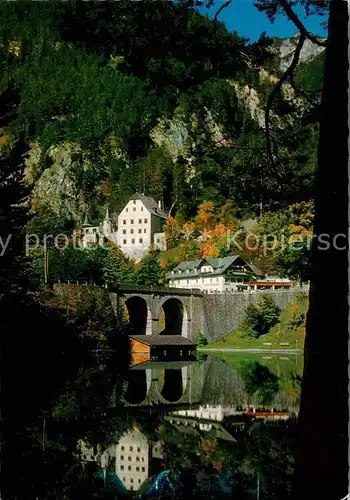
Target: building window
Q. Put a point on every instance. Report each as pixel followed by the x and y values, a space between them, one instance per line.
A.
pixel 142 459
pixel 126 210
pixel 129 467
pixel 139 481
pixel 134 202
pixel 122 448
pixel 141 209
pixel 122 467
pixel 140 221
pixel 138 449
pixel 217 280
pixel 137 459
pixel 131 221
pixel 137 469
pixel 131 480
pixel 145 230
pixel 133 241
pixel 124 221
pixel 140 231
pixel 129 459
pixel 130 448
pixel 158 240
pixel 140 240
pixel 122 457
pixel 143 469
pixel 124 242
pixel 134 209
pixel 124 231
pixel 131 231
pixel 145 220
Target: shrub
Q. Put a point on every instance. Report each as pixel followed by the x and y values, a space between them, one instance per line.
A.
pixel 200 339
pixel 260 319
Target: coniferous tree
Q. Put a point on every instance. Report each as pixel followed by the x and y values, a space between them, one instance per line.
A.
pixel 13 205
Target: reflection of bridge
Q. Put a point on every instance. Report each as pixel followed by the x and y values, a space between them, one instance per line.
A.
pixel 169 383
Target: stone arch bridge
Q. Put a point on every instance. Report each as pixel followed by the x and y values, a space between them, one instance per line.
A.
pixel 184 311
pixel 180 310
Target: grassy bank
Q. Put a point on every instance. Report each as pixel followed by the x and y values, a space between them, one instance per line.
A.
pixel 289 333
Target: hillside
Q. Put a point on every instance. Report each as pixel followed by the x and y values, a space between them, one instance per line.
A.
pixel 289 333
pixel 143 106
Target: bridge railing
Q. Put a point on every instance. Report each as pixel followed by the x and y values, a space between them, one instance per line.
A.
pixel 137 288
pixel 121 287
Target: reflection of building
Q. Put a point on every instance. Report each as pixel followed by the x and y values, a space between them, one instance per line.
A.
pixel 218 413
pixel 131 458
pixel 205 419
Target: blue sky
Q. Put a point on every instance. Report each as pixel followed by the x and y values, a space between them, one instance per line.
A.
pixel 243 17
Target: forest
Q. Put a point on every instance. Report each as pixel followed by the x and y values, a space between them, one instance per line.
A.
pixel 158 98
pixel 163 100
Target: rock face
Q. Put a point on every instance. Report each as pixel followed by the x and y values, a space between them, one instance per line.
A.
pixel 287 47
pixel 55 185
pixel 250 98
pixel 55 181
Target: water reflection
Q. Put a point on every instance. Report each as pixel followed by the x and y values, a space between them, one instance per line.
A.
pixel 213 429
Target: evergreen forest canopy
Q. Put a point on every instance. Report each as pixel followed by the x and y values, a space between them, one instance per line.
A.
pixel 155 98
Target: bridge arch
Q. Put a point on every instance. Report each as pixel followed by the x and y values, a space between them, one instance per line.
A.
pixel 140 317
pixel 175 317
pixel 174 385
pixel 138 386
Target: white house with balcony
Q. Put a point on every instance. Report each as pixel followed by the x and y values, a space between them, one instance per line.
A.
pixel 214 275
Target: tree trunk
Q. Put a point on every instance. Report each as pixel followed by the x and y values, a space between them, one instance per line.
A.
pixel 322 458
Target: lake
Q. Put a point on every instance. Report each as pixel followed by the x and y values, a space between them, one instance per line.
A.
pixel 222 426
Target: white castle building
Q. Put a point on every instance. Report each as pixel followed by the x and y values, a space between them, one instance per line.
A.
pixel 139 227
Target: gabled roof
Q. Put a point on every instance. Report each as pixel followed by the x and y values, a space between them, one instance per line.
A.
pixel 219 265
pixel 163 340
pixel 150 204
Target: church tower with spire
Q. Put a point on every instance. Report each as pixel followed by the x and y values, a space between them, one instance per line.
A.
pixel 107 225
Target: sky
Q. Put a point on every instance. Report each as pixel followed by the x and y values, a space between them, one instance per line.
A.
pixel 243 17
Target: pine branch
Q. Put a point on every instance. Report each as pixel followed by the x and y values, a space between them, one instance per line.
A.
pixel 296 21
pixel 288 74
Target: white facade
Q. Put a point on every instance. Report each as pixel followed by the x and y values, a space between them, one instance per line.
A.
pixel 209 284
pixel 97 235
pixel 228 274
pixel 159 241
pixel 139 227
pixel 132 459
pixel 131 456
pixel 135 229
